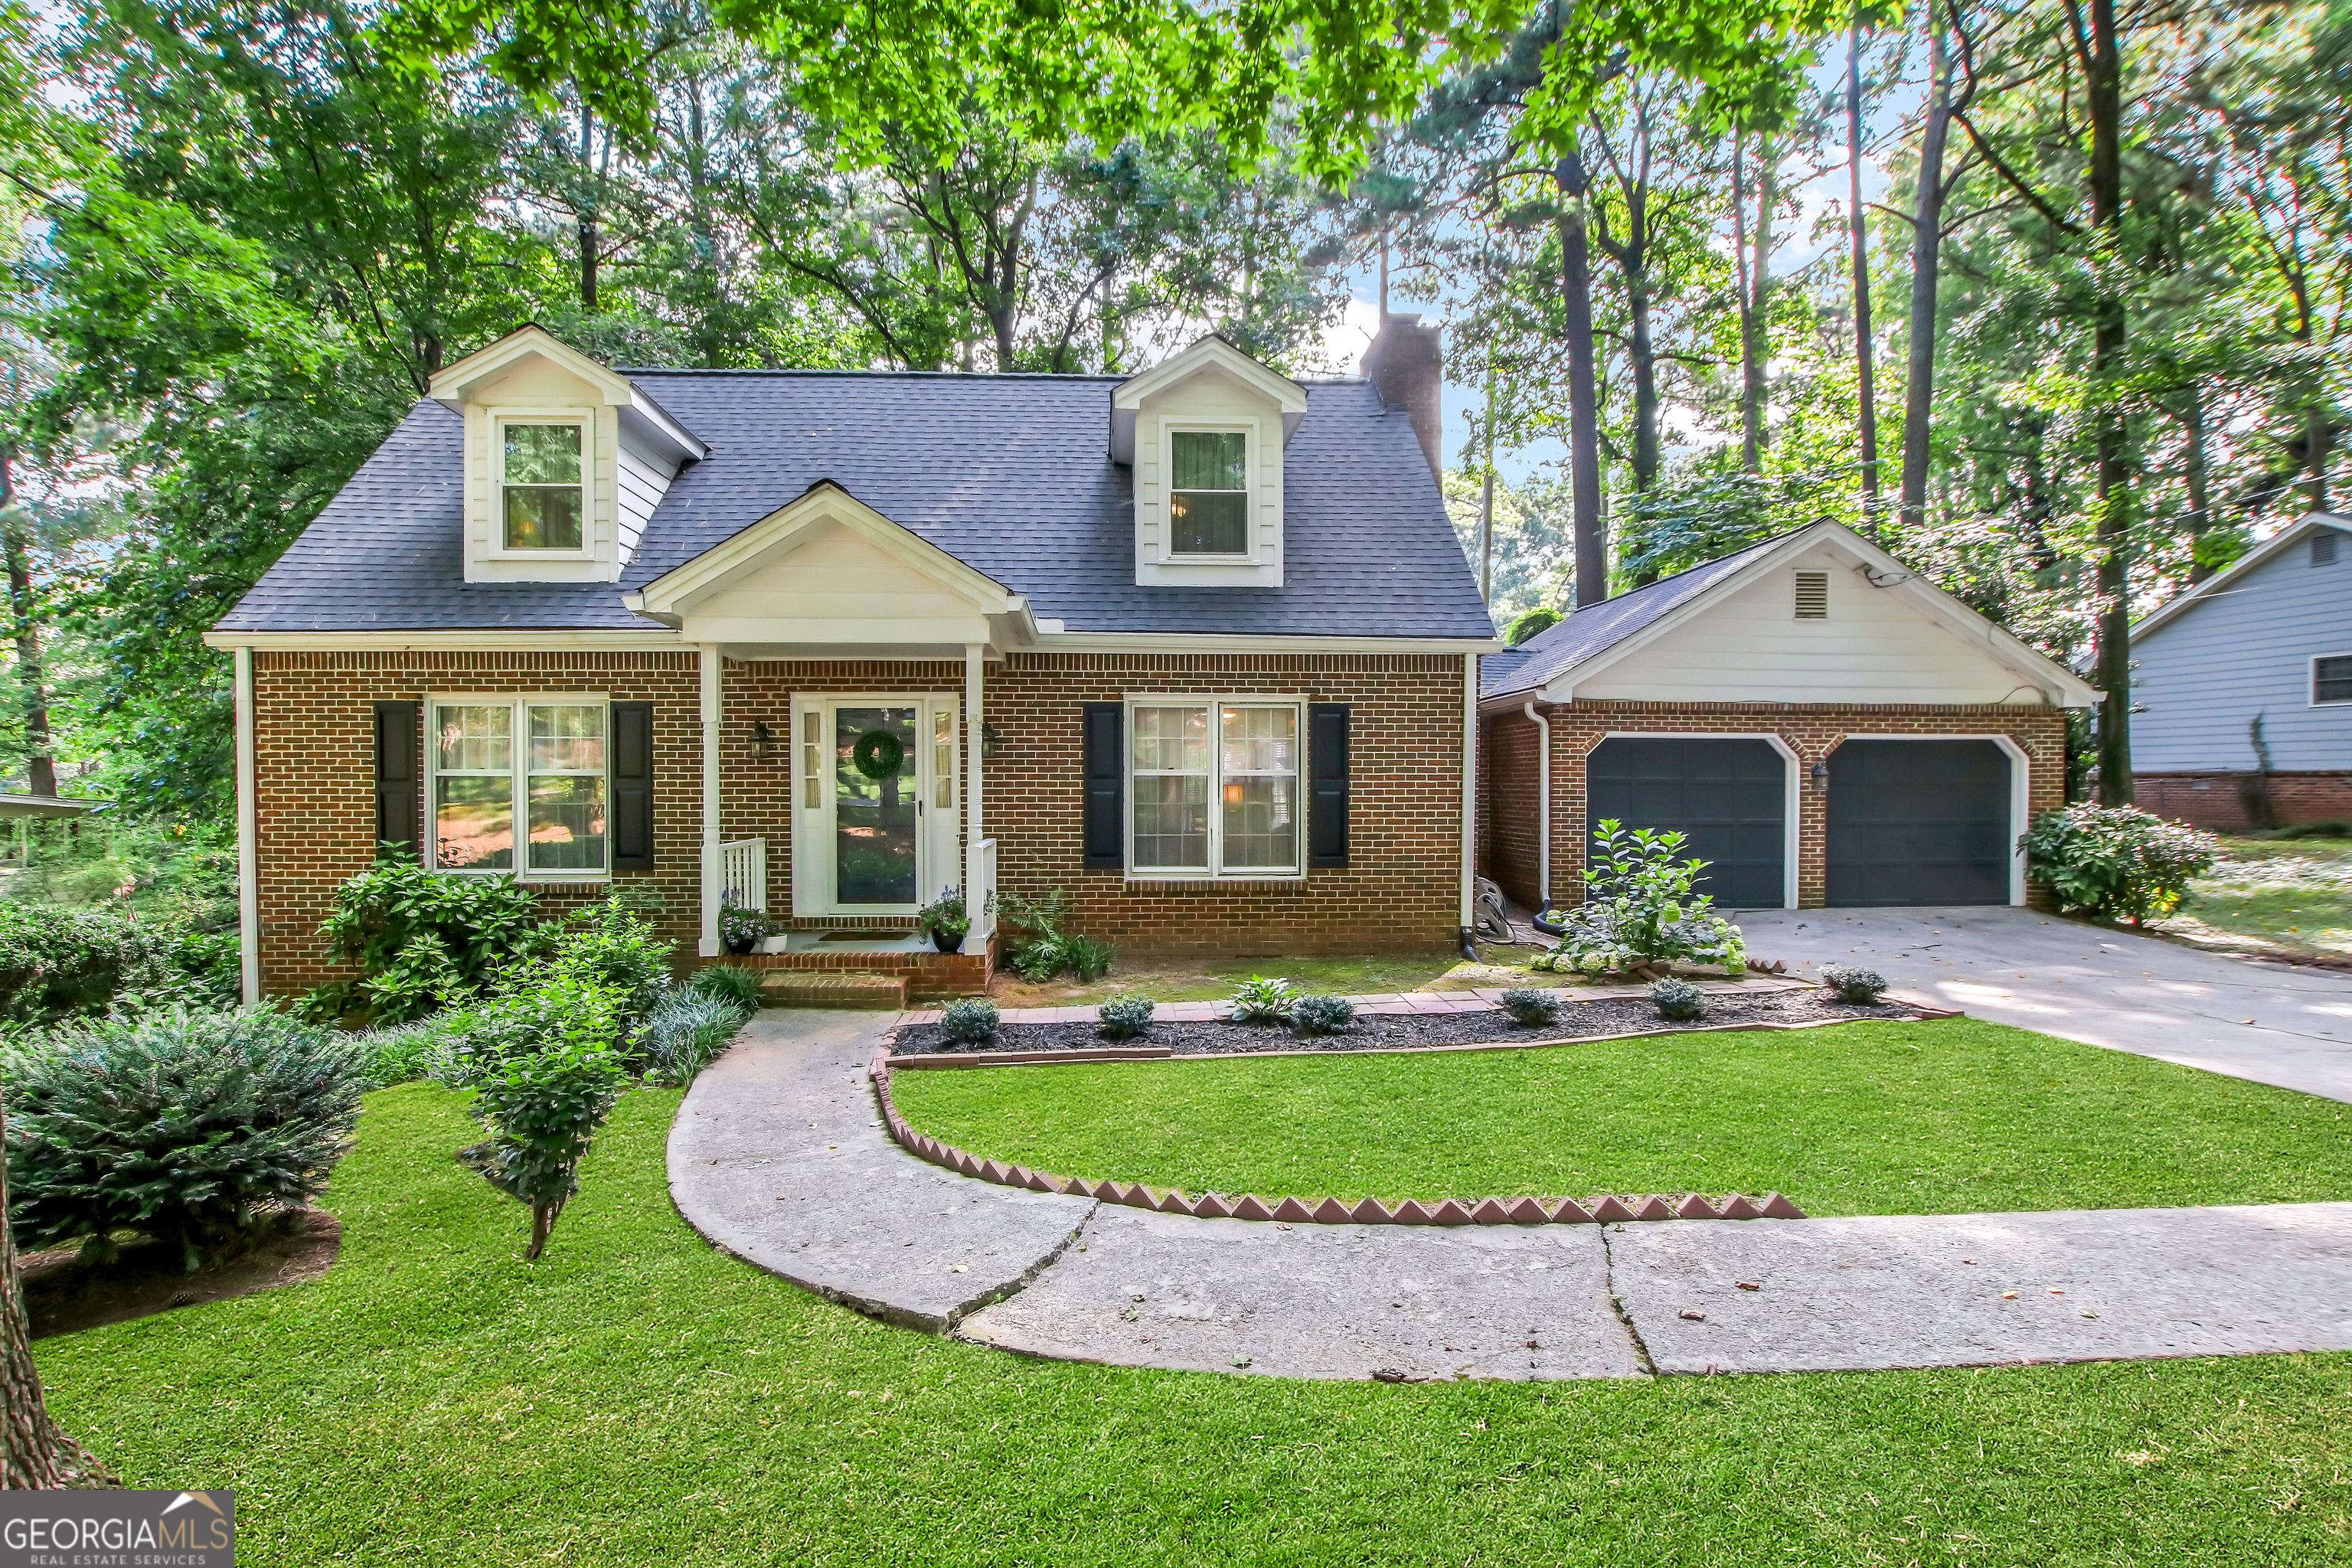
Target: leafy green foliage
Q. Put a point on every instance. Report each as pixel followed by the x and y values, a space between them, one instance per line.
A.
pixel 742 928
pixel 1531 1005
pixel 188 1126
pixel 1045 947
pixel 1530 623
pixel 1126 1018
pixel 1322 1015
pixel 1089 957
pixel 58 963
pixel 617 948
pixel 1677 999
pixel 685 1031
pixel 729 981
pixel 1853 983
pixel 1261 999
pixel 422 940
pixel 944 916
pixel 541 1103
pixel 971 1021
pixel 2117 862
pixel 405 1053
pixel 1639 908
pixel 536 1007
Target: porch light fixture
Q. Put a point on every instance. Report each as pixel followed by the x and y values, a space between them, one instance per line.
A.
pixel 763 743
pixel 1821 776
pixel 989 739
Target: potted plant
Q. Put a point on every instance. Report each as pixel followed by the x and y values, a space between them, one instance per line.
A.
pixel 742 931
pixel 945 919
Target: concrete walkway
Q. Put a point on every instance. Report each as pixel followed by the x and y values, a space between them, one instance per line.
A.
pixel 2270 1022
pixel 778 1156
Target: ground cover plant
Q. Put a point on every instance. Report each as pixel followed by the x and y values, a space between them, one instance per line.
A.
pixel 2289 896
pixel 1946 1116
pixel 636 1397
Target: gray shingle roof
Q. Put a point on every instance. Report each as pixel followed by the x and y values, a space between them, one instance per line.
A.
pixel 1596 628
pixel 1008 474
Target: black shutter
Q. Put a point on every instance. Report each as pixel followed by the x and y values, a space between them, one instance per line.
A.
pixel 1327 796
pixel 633 786
pixel 1104 747
pixel 399 782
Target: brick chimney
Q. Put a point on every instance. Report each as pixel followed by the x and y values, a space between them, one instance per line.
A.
pixel 1406 364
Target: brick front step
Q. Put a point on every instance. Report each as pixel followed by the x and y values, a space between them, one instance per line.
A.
pixel 926 977
pixel 833 988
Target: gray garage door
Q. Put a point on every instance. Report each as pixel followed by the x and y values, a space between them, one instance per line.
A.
pixel 1729 797
pixel 1918 822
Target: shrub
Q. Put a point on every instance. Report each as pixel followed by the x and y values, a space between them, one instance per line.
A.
pixel 1089 957
pixel 1038 952
pixel 1639 908
pixel 1127 1017
pixel 685 1031
pixel 1532 1006
pixel 1261 1000
pixel 618 949
pixel 422 940
pixel 970 1022
pixel 192 1127
pixel 2118 861
pixel 1851 983
pixel 1322 1015
pixel 1677 999
pixel 540 1008
pixel 541 1105
pixel 730 982
pixel 403 1053
pixel 57 963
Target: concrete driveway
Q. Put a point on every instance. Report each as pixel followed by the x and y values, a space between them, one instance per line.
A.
pixel 2270 1022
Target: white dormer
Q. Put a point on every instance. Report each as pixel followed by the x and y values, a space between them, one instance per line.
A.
pixel 564 460
pixel 1203 433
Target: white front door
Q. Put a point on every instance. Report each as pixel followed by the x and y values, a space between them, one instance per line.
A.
pixel 875 814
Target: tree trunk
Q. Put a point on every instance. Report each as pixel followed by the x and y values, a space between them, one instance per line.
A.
pixel 1866 369
pixel 1486 505
pixel 35 1454
pixel 1644 357
pixel 2319 444
pixel 2102 96
pixel 2198 479
pixel 1755 320
pixel 1584 405
pixel 40 762
pixel 1926 252
pixel 588 239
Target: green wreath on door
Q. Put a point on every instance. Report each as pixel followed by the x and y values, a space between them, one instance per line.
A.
pixel 878 755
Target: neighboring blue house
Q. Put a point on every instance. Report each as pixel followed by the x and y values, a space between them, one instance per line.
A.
pixel 2268 641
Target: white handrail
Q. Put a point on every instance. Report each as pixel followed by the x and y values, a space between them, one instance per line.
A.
pixel 743 873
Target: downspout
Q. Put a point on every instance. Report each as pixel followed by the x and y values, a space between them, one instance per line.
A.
pixel 249 833
pixel 1469 798
pixel 1543 807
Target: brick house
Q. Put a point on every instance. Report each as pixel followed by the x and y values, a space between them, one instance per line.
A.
pixel 1828 727
pixel 1196 646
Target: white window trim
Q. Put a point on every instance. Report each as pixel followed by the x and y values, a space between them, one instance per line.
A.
pixel 1303 776
pixel 2311 686
pixel 585 418
pixel 1169 430
pixel 519 772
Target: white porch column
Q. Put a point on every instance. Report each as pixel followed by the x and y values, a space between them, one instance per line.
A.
pixel 972 662
pixel 712 891
pixel 248 834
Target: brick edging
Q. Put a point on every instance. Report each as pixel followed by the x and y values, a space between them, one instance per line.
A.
pixel 1608 1208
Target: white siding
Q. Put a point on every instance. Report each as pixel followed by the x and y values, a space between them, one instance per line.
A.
pixel 2203 676
pixel 643 479
pixel 533 387
pixel 1209 399
pixel 1877 645
pixel 832 584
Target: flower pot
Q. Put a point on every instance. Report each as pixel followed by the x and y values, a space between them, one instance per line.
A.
pixel 740 946
pixel 946 943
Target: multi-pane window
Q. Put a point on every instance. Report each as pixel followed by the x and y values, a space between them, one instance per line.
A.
pixel 540 485
pixel 1208 510
pixel 2331 679
pixel 537 763
pixel 1214 788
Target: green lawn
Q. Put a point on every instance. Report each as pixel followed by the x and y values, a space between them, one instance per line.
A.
pixel 1943 1117
pixel 639 1398
pixel 2289 896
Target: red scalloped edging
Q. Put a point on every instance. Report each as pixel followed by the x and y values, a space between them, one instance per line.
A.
pixel 1604 1209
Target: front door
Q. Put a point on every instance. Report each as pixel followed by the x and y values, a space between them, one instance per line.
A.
pixel 875 828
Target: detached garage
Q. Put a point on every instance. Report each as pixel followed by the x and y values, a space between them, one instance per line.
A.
pixel 1825 726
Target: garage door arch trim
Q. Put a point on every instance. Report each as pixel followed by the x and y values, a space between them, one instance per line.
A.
pixel 2020 788
pixel 1790 786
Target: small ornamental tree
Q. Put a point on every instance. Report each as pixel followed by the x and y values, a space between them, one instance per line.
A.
pixel 545 1061
pixel 2117 862
pixel 1639 907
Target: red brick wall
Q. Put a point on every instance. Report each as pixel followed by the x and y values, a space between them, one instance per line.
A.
pixel 1811 731
pixel 2217 801
pixel 314 742
pixel 314 748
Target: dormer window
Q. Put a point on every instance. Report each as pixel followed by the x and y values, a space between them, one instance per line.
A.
pixel 1208 510
pixel 542 490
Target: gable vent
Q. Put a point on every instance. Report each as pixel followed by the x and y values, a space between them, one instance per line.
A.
pixel 1812 595
pixel 2323 548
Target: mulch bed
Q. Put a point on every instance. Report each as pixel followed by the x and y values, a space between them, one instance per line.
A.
pixel 62 1296
pixel 1613 1015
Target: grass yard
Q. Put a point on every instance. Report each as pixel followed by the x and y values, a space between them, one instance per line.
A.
pixel 1943 1117
pixel 639 1398
pixel 2288 896
pixel 1207 979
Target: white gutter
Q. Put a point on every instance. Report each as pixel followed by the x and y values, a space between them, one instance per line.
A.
pixel 1543 808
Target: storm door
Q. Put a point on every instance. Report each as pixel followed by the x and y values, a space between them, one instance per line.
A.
pixel 876 831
